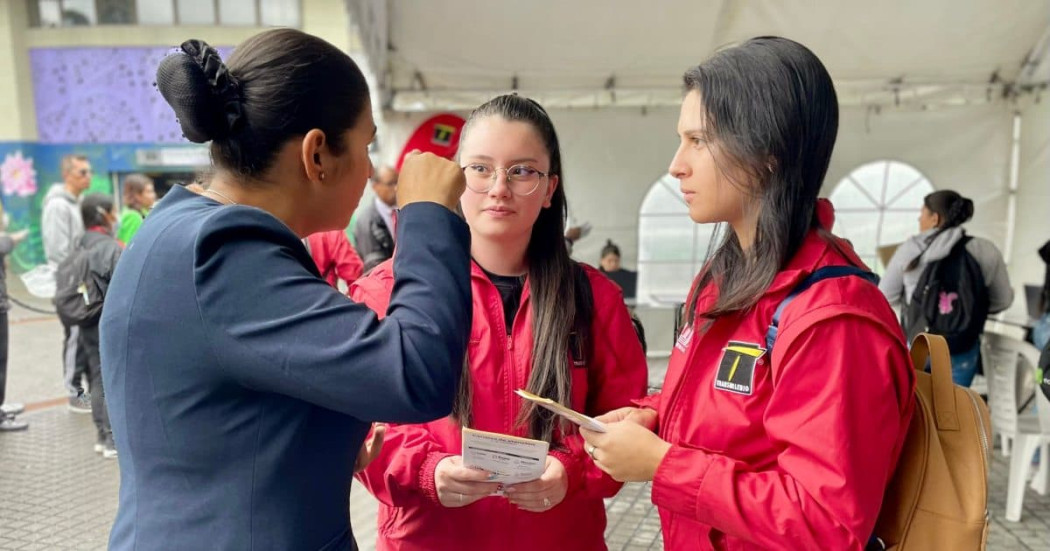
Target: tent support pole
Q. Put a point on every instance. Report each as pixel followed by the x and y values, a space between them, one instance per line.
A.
pixel 1011 205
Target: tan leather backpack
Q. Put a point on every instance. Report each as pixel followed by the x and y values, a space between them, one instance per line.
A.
pixel 938 496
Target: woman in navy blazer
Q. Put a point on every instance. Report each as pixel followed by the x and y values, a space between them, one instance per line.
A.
pixel 240 385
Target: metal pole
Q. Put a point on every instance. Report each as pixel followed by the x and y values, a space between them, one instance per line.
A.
pixel 1011 206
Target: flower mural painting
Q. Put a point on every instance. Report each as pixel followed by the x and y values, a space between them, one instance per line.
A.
pixel 17 175
pixel 18 188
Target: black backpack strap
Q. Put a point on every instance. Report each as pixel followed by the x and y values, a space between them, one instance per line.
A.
pixel 827 272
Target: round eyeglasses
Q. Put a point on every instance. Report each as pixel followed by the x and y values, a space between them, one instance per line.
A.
pixel 522 180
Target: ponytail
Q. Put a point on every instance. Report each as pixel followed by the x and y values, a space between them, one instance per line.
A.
pixel 953 210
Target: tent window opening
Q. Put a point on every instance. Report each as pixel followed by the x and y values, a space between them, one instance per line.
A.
pixel 878 205
pixel 671 247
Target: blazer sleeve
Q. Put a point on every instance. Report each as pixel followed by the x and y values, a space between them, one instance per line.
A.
pixel 276 327
pixel 403 473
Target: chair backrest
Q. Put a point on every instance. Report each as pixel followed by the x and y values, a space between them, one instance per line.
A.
pixel 1009 365
pixel 1042 407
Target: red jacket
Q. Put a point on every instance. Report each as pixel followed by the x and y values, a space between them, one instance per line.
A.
pixel 402 478
pixel 335 257
pixel 793 452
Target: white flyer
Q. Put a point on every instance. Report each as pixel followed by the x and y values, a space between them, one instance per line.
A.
pixel 510 458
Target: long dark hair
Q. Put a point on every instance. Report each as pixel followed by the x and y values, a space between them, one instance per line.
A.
pixel 772 114
pixel 551 281
pixel 279 84
pixel 952 209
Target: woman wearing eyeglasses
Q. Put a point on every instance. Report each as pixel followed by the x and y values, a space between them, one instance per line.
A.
pixel 541 322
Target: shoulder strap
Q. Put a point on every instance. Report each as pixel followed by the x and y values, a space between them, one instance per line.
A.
pixel 827 272
pixel 958 250
pixel 963 242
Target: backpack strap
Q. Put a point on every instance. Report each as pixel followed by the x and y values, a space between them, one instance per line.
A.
pixel 827 272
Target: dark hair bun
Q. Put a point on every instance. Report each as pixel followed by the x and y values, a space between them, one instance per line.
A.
pixel 199 87
pixel 965 210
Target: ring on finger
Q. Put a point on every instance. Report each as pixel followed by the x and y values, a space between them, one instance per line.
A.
pixel 546 502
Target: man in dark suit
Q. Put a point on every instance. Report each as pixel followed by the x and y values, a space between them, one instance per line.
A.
pixel 374 229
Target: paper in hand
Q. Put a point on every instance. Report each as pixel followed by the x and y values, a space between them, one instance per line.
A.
pixel 580 419
pixel 510 459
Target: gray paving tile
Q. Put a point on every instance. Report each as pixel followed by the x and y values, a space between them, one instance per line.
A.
pixel 59 494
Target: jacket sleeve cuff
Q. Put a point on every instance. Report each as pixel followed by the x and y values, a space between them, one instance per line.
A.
pixel 678 480
pixel 427 484
pixel 651 401
pixel 573 468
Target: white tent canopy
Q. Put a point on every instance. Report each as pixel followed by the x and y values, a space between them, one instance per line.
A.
pixel 935 84
pixel 440 55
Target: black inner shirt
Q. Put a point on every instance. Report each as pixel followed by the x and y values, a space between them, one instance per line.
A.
pixel 510 288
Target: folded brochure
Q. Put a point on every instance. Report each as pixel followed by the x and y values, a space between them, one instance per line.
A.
pixel 509 458
pixel 580 419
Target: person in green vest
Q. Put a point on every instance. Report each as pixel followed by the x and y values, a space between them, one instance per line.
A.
pixel 139 197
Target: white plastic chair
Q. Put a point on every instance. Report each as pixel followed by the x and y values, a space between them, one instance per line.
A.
pixel 1009 364
pixel 1023 393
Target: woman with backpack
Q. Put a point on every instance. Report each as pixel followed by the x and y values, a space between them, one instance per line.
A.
pixel 971 281
pixel 101 251
pixel 789 391
pixel 543 323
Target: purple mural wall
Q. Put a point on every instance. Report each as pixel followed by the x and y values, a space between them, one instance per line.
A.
pixel 98 102
pixel 102 95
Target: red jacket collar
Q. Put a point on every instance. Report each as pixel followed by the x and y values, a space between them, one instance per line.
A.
pixel 813 253
pixel 816 252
